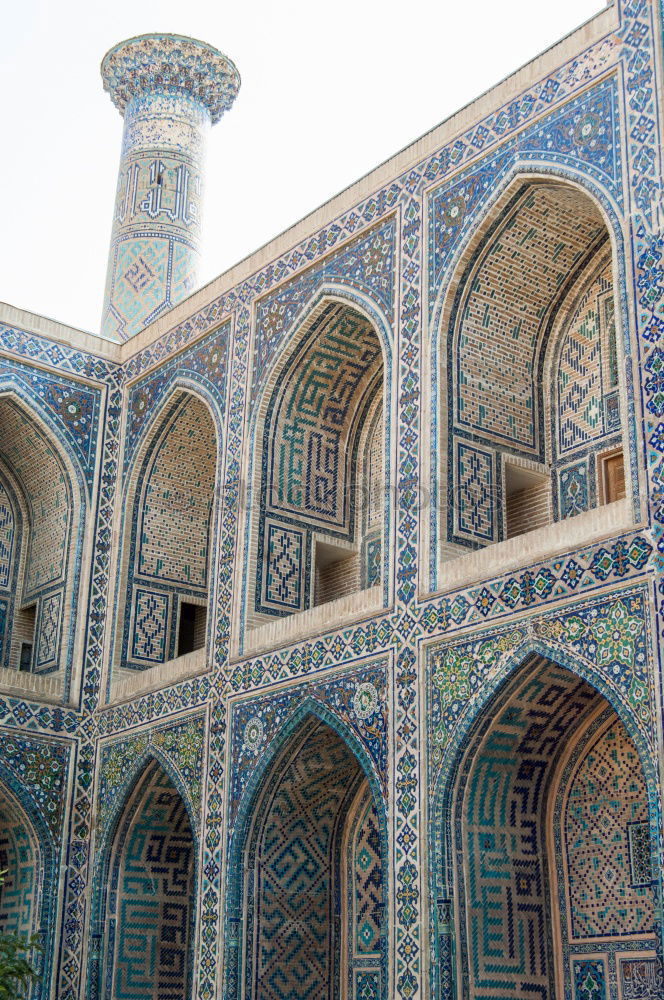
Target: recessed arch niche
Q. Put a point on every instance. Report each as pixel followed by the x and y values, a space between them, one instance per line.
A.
pixel 317 534
pixel 42 520
pixel 554 865
pixel 165 571
pixel 536 400
pixel 312 893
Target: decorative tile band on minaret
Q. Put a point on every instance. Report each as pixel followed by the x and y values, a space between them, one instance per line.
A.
pixel 169 89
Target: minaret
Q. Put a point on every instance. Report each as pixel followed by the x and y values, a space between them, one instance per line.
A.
pixel 169 90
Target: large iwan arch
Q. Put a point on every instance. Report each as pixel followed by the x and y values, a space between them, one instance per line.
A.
pixel 147 903
pixel 308 868
pixel 551 843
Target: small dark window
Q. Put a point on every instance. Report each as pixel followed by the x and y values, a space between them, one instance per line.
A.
pixel 191 629
pixel 24 631
pixel 25 661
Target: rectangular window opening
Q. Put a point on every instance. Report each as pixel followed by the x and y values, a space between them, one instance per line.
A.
pixel 612 477
pixel 527 500
pixel 191 627
pixel 337 573
pixel 24 631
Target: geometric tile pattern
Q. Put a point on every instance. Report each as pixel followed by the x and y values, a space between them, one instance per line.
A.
pixel 176 499
pixel 313 412
pixel 358 697
pixel 474 496
pixel 150 624
pixel 606 795
pixel 581 367
pixel 315 418
pixel 6 537
pixel 37 465
pixel 640 853
pixel 49 625
pixel 543 124
pixel 19 862
pixel 368 883
pixel 283 573
pixel 151 907
pixel 40 766
pixel 367 986
pixel 502 805
pixel 180 743
pixel 296 875
pixel 511 289
pixel 160 182
pixel 366 263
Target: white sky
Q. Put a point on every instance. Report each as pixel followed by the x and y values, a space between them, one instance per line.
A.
pixel 329 90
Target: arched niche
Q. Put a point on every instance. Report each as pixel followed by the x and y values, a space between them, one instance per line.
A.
pixel 22 863
pixel 42 521
pixel 553 852
pixel 165 577
pixel 317 532
pixel 147 899
pixel 308 892
pixel 536 401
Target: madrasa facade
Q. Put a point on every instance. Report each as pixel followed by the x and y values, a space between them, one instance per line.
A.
pixel 330 593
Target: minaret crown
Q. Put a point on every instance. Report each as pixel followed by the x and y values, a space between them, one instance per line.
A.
pixel 170 64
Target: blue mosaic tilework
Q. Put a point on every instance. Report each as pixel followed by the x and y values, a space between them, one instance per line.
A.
pixel 151 610
pixel 284 570
pixel 365 265
pixel 367 883
pixel 180 744
pixel 316 414
pixel 640 853
pixel 7 528
pixel 573 489
pixel 608 636
pixel 205 364
pixel 572 574
pixel 74 408
pixel 150 915
pixel 40 767
pixel 48 631
pixel 590 979
pixel 289 925
pixel 356 697
pixel 474 497
pixel 583 133
pixel 607 795
pixel 157 217
pixel 373 561
pixel 19 861
pixel 500 837
pixel 367 986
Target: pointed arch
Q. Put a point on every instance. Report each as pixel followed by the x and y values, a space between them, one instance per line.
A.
pixel 32 873
pixel 144 892
pixel 481 469
pixel 305 428
pixel 169 529
pixel 40 610
pixel 310 731
pixel 562 699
